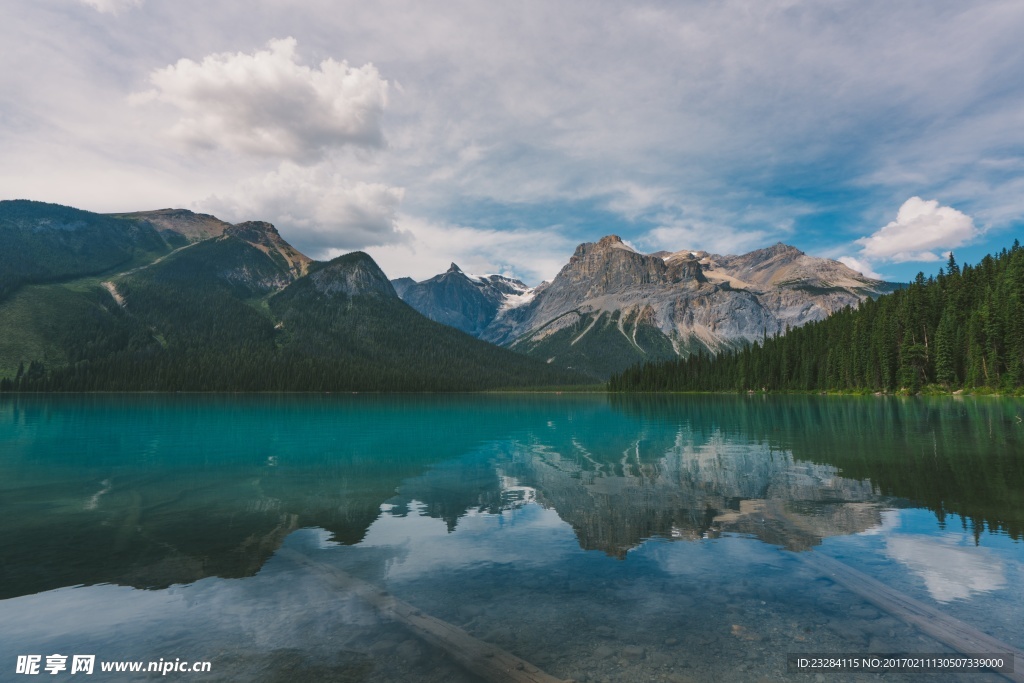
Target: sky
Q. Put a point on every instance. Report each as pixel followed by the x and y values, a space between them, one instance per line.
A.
pixel 501 135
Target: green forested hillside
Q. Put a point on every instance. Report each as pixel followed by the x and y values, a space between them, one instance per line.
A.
pixel 598 343
pixel 47 242
pixel 961 329
pixel 220 315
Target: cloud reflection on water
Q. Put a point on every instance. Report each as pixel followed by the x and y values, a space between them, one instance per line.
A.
pixel 949 569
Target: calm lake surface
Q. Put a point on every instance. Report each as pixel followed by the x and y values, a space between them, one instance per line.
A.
pixel 597 538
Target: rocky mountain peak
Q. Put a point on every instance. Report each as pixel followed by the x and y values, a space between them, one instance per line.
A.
pixel 254 231
pixel 777 253
pixel 609 265
pixel 779 249
pixel 467 302
pixel 611 241
pixel 785 265
pixel 354 274
pixel 265 237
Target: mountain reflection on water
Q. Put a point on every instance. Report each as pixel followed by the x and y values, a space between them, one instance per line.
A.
pixel 149 491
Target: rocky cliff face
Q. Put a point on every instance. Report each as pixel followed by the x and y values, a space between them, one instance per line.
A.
pixel 603 277
pixel 354 274
pixel 610 267
pixel 267 239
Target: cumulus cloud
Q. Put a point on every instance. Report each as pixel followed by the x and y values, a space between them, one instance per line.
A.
pixel 862 267
pixel 315 208
pixel 111 6
pixel 267 103
pixel 921 227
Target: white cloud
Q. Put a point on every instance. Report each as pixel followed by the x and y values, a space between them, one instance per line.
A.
pixel 268 104
pixel 111 6
pixel 530 255
pixel 632 200
pixel 921 227
pixel 315 209
pixel 700 235
pixel 862 267
pixel 687 223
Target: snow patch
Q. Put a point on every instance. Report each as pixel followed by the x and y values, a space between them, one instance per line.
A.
pixel 516 300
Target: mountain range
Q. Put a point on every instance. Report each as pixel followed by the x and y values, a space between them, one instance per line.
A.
pixel 611 307
pixel 174 300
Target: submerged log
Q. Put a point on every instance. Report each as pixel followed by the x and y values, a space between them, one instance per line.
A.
pixel 485 660
pixel 948 630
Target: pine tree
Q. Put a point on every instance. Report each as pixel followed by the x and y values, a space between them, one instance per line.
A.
pixel 945 344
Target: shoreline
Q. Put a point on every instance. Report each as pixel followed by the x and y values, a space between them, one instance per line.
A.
pixel 973 393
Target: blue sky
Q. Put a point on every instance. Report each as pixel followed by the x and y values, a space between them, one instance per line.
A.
pixel 501 135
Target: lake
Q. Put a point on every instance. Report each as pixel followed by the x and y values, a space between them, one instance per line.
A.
pixel 439 538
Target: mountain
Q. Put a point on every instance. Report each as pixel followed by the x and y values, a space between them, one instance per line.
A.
pixel 48 242
pixel 466 302
pixel 611 306
pixel 963 329
pixel 241 310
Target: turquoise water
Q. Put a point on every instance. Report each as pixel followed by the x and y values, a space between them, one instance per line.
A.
pixel 597 538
